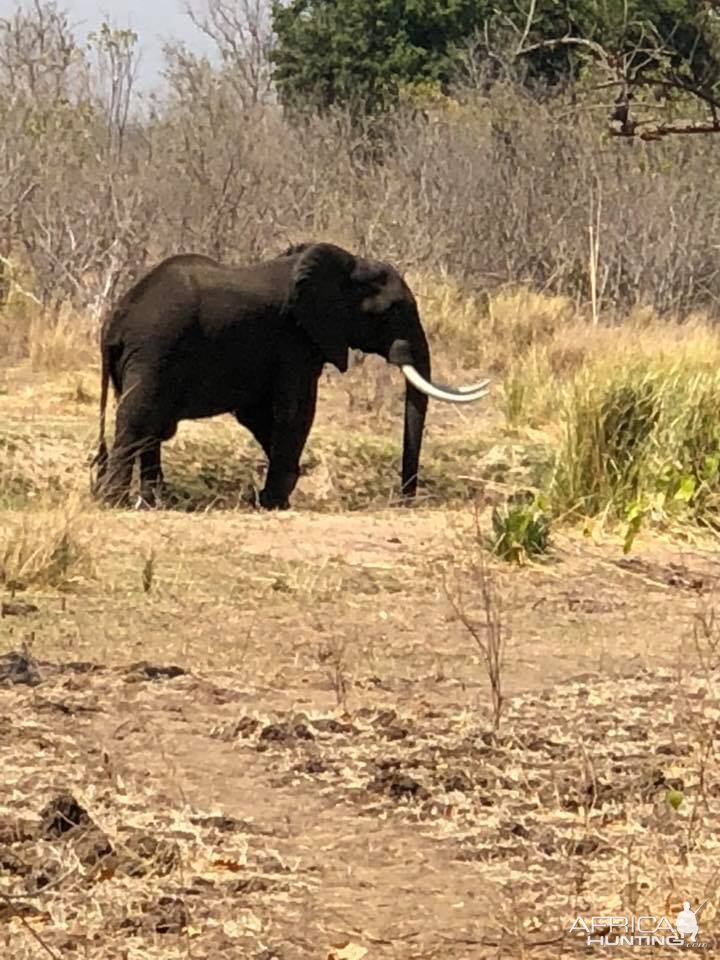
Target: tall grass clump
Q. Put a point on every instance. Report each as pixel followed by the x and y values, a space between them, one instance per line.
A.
pixel 527 392
pixel 642 443
pixel 605 444
pixel 692 433
pixel 44 549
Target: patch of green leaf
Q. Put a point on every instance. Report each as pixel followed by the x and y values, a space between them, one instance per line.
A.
pixel 521 528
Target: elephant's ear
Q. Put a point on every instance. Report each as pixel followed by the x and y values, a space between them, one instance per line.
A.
pixel 318 300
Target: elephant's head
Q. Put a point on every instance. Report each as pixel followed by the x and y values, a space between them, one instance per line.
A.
pixel 344 302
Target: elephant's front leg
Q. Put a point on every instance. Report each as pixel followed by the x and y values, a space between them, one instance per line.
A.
pixel 290 430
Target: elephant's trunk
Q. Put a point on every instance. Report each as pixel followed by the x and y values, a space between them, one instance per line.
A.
pixel 412 354
pixel 415 410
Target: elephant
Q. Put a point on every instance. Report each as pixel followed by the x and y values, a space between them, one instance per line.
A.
pixel 194 338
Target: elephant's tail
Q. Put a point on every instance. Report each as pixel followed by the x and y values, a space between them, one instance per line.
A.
pixel 101 457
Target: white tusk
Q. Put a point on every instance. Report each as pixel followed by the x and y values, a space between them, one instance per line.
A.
pixel 450 395
pixel 471 388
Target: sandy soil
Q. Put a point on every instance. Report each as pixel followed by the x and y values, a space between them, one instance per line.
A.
pixel 231 734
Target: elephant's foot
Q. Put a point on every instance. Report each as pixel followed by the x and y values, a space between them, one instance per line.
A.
pixel 278 487
pixel 269 501
pixel 153 497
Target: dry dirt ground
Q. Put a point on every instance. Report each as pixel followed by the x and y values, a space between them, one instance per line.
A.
pixel 231 734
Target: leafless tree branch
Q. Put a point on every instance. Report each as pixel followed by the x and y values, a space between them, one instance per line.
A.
pixel 242 33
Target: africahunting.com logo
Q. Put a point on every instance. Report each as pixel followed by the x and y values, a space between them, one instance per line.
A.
pixel 647 931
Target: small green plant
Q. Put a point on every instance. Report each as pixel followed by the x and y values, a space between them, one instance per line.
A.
pixel 675 489
pixel 521 528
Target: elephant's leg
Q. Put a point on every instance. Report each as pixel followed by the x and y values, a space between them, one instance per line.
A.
pixel 115 487
pixel 289 434
pixel 259 421
pixel 140 425
pixel 151 477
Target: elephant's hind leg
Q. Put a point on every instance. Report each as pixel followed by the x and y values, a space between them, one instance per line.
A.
pixel 152 486
pixel 259 421
pixel 115 487
pixel 139 430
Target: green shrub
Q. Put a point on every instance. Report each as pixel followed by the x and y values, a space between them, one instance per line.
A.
pixel 521 528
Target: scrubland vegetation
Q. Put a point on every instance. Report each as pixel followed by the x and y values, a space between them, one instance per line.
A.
pixel 579 270
pixel 511 687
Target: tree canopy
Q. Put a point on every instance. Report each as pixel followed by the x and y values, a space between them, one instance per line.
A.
pixel 364 53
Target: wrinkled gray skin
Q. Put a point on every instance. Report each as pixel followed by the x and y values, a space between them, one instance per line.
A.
pixel 195 338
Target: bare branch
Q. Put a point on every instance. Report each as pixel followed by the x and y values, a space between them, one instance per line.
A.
pixel 644 63
pixel 117 63
pixel 528 26
pixel 657 132
pixel 242 33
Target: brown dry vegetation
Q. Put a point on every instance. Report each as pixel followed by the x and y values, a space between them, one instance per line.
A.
pixel 272 735
pixel 226 733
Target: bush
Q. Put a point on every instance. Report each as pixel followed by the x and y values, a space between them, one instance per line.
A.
pixel 95 193
pixel 642 444
pixel 521 528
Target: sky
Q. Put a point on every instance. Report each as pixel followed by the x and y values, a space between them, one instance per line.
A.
pixel 155 21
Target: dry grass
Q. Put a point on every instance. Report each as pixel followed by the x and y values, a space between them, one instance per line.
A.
pixel 52 341
pixel 326 769
pixel 543 351
pixel 61 343
pixel 331 676
pixel 46 547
